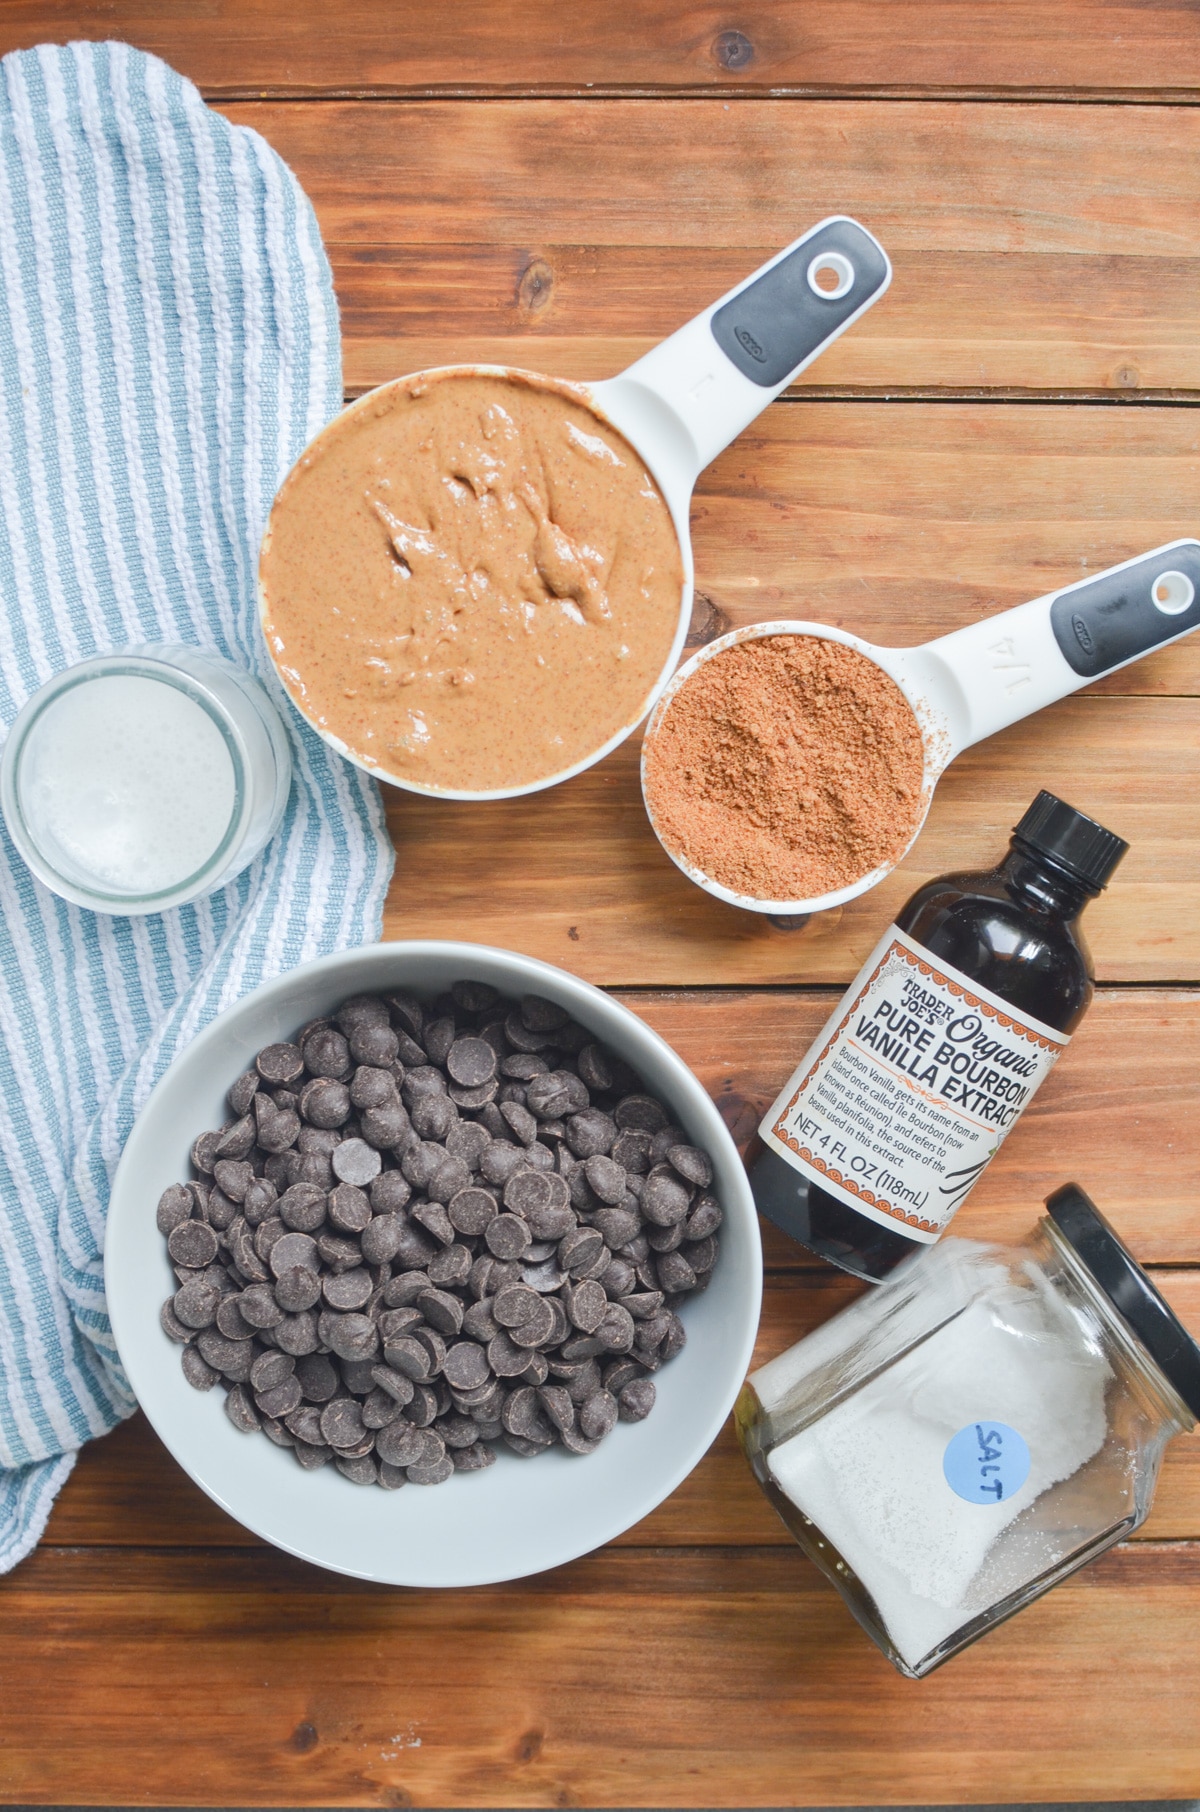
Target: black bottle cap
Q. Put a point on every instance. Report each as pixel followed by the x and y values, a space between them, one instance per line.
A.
pixel 1076 843
pixel 1130 1291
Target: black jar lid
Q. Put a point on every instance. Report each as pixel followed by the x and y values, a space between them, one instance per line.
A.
pixel 1080 845
pixel 1129 1290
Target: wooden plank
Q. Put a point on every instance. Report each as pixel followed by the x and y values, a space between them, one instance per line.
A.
pixel 960 321
pixel 380 47
pixel 1034 246
pixel 710 1677
pixel 127 1491
pixel 1091 181
pixel 585 884
pixel 905 522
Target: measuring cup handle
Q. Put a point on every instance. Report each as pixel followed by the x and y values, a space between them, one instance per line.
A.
pixel 716 374
pixel 999 670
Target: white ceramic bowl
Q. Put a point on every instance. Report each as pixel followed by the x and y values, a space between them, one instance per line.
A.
pixel 518 1516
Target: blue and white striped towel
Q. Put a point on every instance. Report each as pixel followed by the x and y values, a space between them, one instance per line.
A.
pixel 168 343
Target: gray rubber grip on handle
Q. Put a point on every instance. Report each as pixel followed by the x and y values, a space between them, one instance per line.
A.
pixel 1101 623
pixel 779 320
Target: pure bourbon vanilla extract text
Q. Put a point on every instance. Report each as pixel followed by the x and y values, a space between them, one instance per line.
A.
pixel 936 1048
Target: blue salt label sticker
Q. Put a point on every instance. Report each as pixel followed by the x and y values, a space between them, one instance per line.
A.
pixel 986 1462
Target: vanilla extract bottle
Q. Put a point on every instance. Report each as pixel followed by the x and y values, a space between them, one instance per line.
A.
pixel 936 1049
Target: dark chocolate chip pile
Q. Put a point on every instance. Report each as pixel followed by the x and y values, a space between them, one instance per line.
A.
pixel 429 1228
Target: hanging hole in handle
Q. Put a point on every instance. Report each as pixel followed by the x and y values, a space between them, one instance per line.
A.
pixel 1172 593
pixel 830 276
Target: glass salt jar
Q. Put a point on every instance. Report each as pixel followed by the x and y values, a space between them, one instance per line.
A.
pixel 138 781
pixel 973 1430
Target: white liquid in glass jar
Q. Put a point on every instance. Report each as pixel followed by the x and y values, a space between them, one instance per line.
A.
pixel 127 784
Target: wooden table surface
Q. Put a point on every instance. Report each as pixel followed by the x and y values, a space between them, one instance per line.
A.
pixel 557 187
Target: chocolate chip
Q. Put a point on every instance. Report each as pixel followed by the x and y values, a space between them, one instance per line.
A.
pixel 290 1250
pixel 586 1306
pixel 636 1400
pixel 507 1236
pixel 547 1098
pixel 470 1061
pixel 664 1199
pixel 326 1053
pixel 196 1303
pixel 174 1208
pixel 617 1226
pixel 241 1095
pixel 424 1407
pixel 465 1366
pixel 471 1210
pixel 514 1305
pixel 433 1116
pixel 443 1311
pixel 233 1176
pixel 237 1139
pixel 408 1356
pixel 258 1307
pixel 606 1178
pixel 452 1265
pixel 297 1334
pixel 349 1208
pixel 347 1290
pixel 675 1274
pixel 381 1238
pixel 389 1192
pixel 356 1162
pixel 270 1369
pixel 598 1416
pixel 280 1064
pixel 239 1407
pixel 541 1015
pixel 232 1358
pixel 374 1044
pixel 632 1152
pixel 616 1329
pixel 349 1336
pixel 506 1359
pixel 400 1443
pixel 311 1457
pixel 231 1322
pixel 171 1325
pixel 591 1132
pixel 193 1244
pixel 302 1207
pixel 450 1175
pixel 704 1218
pixel 279 1400
pixel 198 1372
pixel 520 1121
pixel 342 1423
pixel 580 1250
pixel 538 1327
pixel 394 1384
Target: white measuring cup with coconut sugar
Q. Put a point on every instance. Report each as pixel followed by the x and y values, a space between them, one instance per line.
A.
pixel 975 681
pixel 684 402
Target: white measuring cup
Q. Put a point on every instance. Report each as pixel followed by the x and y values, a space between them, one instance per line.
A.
pixel 684 402
pixel 975 681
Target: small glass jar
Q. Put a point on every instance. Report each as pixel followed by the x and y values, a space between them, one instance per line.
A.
pixel 970 1432
pixel 142 780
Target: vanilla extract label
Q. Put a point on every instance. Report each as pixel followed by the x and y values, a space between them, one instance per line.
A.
pixel 910 1088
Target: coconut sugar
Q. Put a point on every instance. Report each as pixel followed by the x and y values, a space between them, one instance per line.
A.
pixel 786 767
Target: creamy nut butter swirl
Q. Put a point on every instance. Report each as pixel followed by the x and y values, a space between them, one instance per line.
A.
pixel 471 581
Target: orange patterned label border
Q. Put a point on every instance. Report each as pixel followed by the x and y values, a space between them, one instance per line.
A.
pixel 961 992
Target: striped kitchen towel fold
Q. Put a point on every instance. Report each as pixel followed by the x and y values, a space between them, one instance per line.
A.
pixel 168 343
